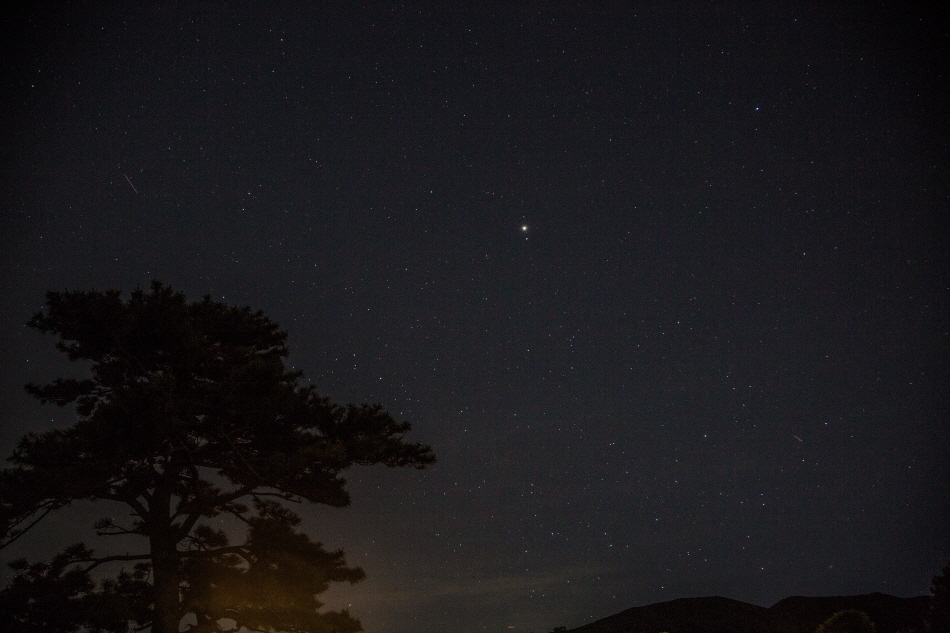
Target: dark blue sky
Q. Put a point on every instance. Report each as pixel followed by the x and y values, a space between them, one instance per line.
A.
pixel 715 362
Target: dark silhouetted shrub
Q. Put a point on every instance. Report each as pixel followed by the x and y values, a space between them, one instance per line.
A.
pixel 847 621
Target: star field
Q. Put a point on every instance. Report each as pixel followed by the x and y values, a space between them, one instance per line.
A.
pixel 665 288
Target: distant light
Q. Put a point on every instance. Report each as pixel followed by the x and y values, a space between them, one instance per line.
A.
pixel 524 227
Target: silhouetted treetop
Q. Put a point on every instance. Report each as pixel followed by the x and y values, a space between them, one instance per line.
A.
pixel 187 410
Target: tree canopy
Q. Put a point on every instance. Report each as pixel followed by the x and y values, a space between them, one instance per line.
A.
pixel 188 415
pixel 938 618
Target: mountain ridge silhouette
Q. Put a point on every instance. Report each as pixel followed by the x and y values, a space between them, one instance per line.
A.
pixel 795 614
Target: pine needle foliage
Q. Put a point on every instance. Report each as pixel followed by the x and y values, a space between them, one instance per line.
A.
pixel 188 416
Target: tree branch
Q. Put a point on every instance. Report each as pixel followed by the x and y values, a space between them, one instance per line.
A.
pixel 239 516
pixel 240 492
pixel 286 496
pixel 221 500
pixel 211 553
pixel 119 531
pixel 132 502
pixel 110 559
pixel 188 524
pixel 27 528
pixel 241 457
pixel 194 480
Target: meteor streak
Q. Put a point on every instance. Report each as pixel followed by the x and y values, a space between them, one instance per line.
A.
pixel 130 184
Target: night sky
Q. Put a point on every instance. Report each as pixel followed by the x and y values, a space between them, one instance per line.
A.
pixel 664 285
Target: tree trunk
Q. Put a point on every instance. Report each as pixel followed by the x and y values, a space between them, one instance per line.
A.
pixel 166 583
